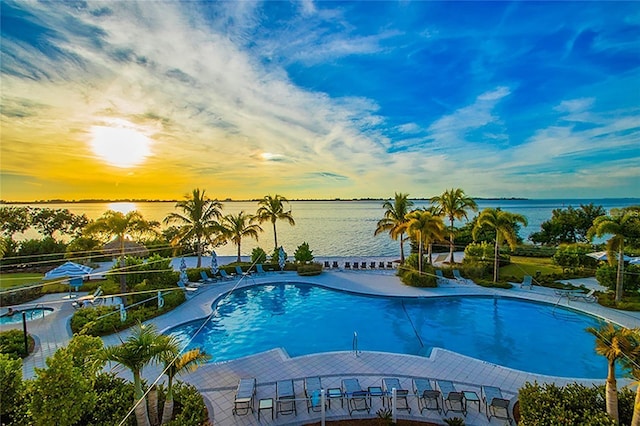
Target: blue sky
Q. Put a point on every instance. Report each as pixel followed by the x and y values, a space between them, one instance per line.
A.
pixel 319 99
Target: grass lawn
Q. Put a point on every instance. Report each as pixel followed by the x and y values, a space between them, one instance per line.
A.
pixel 18 279
pixel 521 266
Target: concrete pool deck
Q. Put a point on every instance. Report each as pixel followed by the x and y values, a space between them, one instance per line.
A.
pixel 218 382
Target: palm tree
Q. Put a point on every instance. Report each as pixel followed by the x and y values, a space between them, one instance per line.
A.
pixel 426 228
pixel 394 219
pixel 621 224
pixel 116 225
pixel 199 219
pixel 631 361
pixel 176 364
pixel 272 209
pixel 504 223
pixel 234 227
pixel 453 204
pixel 142 347
pixel 612 343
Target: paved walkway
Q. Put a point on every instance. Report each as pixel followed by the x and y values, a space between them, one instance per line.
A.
pixel 218 381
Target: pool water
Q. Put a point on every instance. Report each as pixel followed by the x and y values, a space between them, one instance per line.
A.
pixel 31 314
pixel 305 319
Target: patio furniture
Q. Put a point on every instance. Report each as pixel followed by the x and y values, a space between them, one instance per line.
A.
pixel 265 404
pixel 428 398
pixel 285 397
pixel 495 404
pixel 357 398
pixel 245 394
pixel 452 400
pixel 312 391
pixel 402 402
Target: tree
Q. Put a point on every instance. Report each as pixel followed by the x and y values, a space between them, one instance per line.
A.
pixel 199 220
pixel 612 342
pixel 453 204
pixel 567 226
pixel 235 227
pixel 142 347
pixel 303 253
pixel 48 221
pixel 631 362
pixel 272 209
pixel 503 223
pixel 14 219
pixel 174 365
pixel 394 219
pixel 115 225
pixel 426 228
pixel 620 223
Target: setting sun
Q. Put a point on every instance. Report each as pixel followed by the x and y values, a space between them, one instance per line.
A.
pixel 120 145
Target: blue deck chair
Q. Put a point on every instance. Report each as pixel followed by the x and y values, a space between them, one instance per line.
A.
pixel 224 275
pixel 245 395
pixel 312 389
pixel 204 278
pixel 452 400
pixel 240 272
pixel 459 278
pixel 390 383
pixel 259 269
pixel 527 281
pixel 355 395
pixel 285 397
pixel 428 398
pixel 495 404
pixel 440 278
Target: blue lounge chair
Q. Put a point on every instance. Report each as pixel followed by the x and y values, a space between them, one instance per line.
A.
pixel 312 390
pixel 204 278
pixel 245 395
pixel 241 273
pixel 527 281
pixel 440 278
pixel 390 383
pixel 224 275
pixel 428 398
pixel 285 397
pixel 355 395
pixel 452 400
pixel 259 269
pixel 459 278
pixel 495 404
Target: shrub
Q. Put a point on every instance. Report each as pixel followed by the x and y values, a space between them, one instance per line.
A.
pixel 490 284
pixel 310 269
pixel 189 408
pixel 574 256
pixel 303 253
pixel 114 396
pixel 413 278
pixel 258 255
pixel 607 277
pixel 11 379
pixel 528 250
pixel 12 343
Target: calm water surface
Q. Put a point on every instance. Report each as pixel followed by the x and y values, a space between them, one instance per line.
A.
pixel 334 228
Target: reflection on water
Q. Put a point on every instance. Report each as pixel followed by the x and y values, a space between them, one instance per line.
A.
pixel 122 207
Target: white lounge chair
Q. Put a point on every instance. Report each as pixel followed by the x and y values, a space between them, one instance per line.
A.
pixel 285 397
pixel 355 395
pixel 459 278
pixel 390 383
pixel 527 281
pixel 245 396
pixel 586 297
pixel 428 398
pixel 452 400
pixel 495 404
pixel 224 275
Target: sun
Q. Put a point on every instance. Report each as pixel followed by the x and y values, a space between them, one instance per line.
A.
pixel 120 144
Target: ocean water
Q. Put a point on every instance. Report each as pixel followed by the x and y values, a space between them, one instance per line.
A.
pixel 333 228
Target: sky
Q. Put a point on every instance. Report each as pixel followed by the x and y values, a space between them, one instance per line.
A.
pixel 149 100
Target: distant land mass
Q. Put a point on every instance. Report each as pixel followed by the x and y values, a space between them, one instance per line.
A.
pixel 144 200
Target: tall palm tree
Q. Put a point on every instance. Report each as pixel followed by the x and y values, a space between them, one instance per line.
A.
pixel 394 219
pixel 426 228
pixel 272 209
pixel 116 225
pixel 453 204
pixel 142 347
pixel 631 361
pixel 504 223
pixel 612 343
pixel 234 227
pixel 174 365
pixel 199 219
pixel 621 223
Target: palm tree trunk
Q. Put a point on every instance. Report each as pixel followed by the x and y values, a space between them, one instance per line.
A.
pixel 451 242
pixel 167 412
pixel 635 421
pixel 238 260
pixel 429 253
pixel 123 277
pixel 199 252
pixel 611 390
pixel 401 249
pixel 420 254
pixel 619 277
pixel 142 417
pixel 153 405
pixel 275 236
pixel 496 262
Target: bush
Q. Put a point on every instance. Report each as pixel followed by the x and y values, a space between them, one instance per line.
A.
pixel 574 403
pixel 189 408
pixel 574 256
pixel 12 343
pixel 533 251
pixel 114 396
pixel 258 255
pixel 490 284
pixel 310 269
pixel 303 253
pixel 607 277
pixel 413 278
pixel 11 379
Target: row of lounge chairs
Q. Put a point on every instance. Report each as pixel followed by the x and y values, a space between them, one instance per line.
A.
pixel 437 395
pixel 356 265
pixel 224 275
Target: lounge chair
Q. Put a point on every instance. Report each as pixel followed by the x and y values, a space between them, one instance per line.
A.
pixel 356 265
pixel 241 273
pixel 495 404
pixel 441 258
pixel 389 265
pixel 363 265
pixel 327 265
pixel 428 398
pixel 372 265
pixel 527 281
pixel 587 297
pixel 390 383
pixel 452 400
pixel 312 391
pixel 186 288
pixel 90 299
pixel 459 278
pixel 440 278
pixel 245 396
pixel 380 265
pixel 259 269
pixel 334 264
pixel 347 265
pixel 285 397
pixel 204 278
pixel 355 395
pixel 224 275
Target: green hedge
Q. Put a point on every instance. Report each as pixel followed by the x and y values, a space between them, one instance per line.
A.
pixel 12 343
pixel 533 251
pixel 310 269
pixel 413 278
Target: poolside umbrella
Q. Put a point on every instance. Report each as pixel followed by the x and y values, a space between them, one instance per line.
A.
pixel 214 263
pixel 602 255
pixel 183 271
pixel 634 261
pixel 69 270
pixel 281 258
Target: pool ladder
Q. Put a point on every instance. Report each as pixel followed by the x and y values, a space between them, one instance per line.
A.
pixel 354 344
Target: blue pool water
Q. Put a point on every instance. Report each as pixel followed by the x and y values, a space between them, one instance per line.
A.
pixel 31 314
pixel 305 319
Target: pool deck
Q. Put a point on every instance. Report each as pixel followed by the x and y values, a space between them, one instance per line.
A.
pixel 218 382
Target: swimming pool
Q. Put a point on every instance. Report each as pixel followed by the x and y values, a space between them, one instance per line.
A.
pixel 31 314
pixel 305 319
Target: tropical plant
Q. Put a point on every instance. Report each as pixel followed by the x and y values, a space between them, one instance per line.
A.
pixel 503 223
pixel 620 224
pixel 394 219
pixel 425 227
pixel 568 226
pixel 234 227
pixel 271 209
pixel 143 346
pixel 199 220
pixel 12 385
pixel 116 225
pixel 631 362
pixel 453 204
pixel 612 342
pixel 176 364
pixel 303 253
